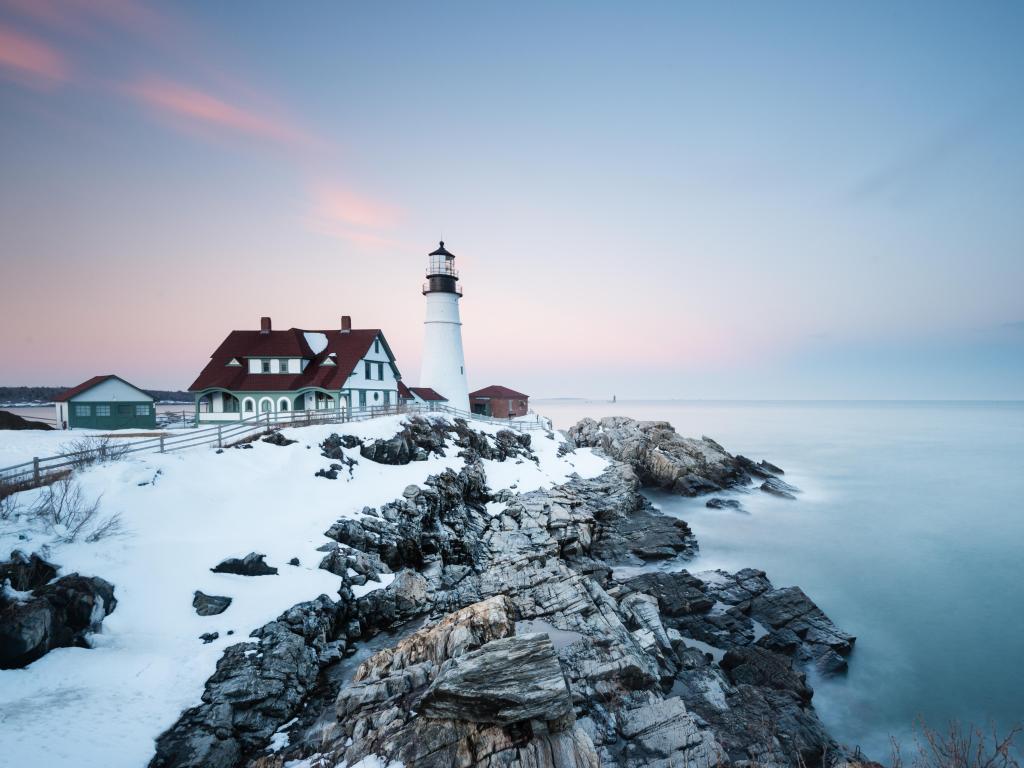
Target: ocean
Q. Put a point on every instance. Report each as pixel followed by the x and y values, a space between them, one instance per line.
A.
pixel 909 533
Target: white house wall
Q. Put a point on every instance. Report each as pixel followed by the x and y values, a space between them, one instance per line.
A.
pixel 112 390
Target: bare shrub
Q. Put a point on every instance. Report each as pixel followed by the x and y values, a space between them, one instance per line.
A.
pixel 95 449
pixel 65 510
pixel 9 504
pixel 961 747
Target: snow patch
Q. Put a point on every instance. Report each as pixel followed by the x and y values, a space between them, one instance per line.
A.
pixel 317 341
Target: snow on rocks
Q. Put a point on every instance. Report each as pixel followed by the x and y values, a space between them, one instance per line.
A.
pixel 148 665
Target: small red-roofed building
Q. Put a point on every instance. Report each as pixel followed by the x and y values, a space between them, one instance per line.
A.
pixel 499 402
pixel 105 402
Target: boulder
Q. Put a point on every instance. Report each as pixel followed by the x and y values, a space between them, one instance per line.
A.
pixel 250 565
pixel 26 572
pixel 720 503
pixel 780 488
pixel 505 681
pixel 276 438
pixel 763 668
pixel 59 614
pixel 209 605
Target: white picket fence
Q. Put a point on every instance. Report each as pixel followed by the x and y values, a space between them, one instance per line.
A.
pixel 222 435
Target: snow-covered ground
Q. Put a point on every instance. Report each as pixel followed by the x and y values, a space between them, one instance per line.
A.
pixel 21 445
pixel 182 514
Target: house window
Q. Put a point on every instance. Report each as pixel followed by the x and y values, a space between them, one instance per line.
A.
pixel 380 371
pixel 376 395
pixel 142 410
pixel 366 370
pixel 283 366
pixel 81 410
pixel 376 345
pixel 362 398
pixel 266 366
pixel 102 410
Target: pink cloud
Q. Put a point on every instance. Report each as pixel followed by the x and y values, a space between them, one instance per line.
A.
pixel 200 109
pixel 29 58
pixel 332 203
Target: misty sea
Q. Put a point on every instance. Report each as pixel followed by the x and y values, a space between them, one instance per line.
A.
pixel 909 534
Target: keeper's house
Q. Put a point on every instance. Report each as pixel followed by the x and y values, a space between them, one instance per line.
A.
pixel 499 402
pixel 268 371
pixel 105 402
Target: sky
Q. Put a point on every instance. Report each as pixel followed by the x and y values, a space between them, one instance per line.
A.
pixel 654 200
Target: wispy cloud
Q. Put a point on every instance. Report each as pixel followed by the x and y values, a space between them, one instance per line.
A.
pixel 199 108
pixel 341 212
pixel 31 60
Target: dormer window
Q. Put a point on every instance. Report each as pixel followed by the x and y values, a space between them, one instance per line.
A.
pixel 265 366
pixel 282 366
pixel 234 361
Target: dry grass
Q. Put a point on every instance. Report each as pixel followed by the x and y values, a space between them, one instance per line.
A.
pixel 962 747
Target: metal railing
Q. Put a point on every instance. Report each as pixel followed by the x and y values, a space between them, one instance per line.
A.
pixel 36 471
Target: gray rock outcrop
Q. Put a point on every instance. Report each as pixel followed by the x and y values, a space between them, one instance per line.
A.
pixel 512 643
pixel 38 614
pixel 665 459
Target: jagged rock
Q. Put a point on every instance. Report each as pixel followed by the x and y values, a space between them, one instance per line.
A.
pixel 678 594
pixel 769 467
pixel 250 565
pixel 59 614
pixel 209 637
pixel 718 503
pixel 26 572
pixel 661 734
pixel 255 689
pixel 514 645
pixel 660 456
pixel 505 681
pixel 276 438
pixel 760 667
pixel 331 447
pixel 209 605
pixel 780 488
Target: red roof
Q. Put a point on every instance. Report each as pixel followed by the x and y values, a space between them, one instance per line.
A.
pixel 426 393
pixel 500 392
pixel 344 349
pixel 89 384
pixel 403 391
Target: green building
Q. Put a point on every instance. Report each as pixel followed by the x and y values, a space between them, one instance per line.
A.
pixel 105 402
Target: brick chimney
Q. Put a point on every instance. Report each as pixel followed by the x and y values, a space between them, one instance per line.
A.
pixel 346 323
pixel 264 325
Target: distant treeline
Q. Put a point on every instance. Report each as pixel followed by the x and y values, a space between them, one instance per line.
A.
pixel 46 394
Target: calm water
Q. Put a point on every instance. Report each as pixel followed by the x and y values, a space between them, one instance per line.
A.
pixel 909 534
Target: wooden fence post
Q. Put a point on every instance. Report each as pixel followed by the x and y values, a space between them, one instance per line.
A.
pixel 220 440
pixel 161 443
pixel 35 469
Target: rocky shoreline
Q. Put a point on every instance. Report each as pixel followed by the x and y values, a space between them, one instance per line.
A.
pixel 505 638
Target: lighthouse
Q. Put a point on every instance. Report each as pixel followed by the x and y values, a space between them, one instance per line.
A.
pixel 444 367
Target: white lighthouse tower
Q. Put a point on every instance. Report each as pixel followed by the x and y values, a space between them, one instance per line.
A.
pixel 444 367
